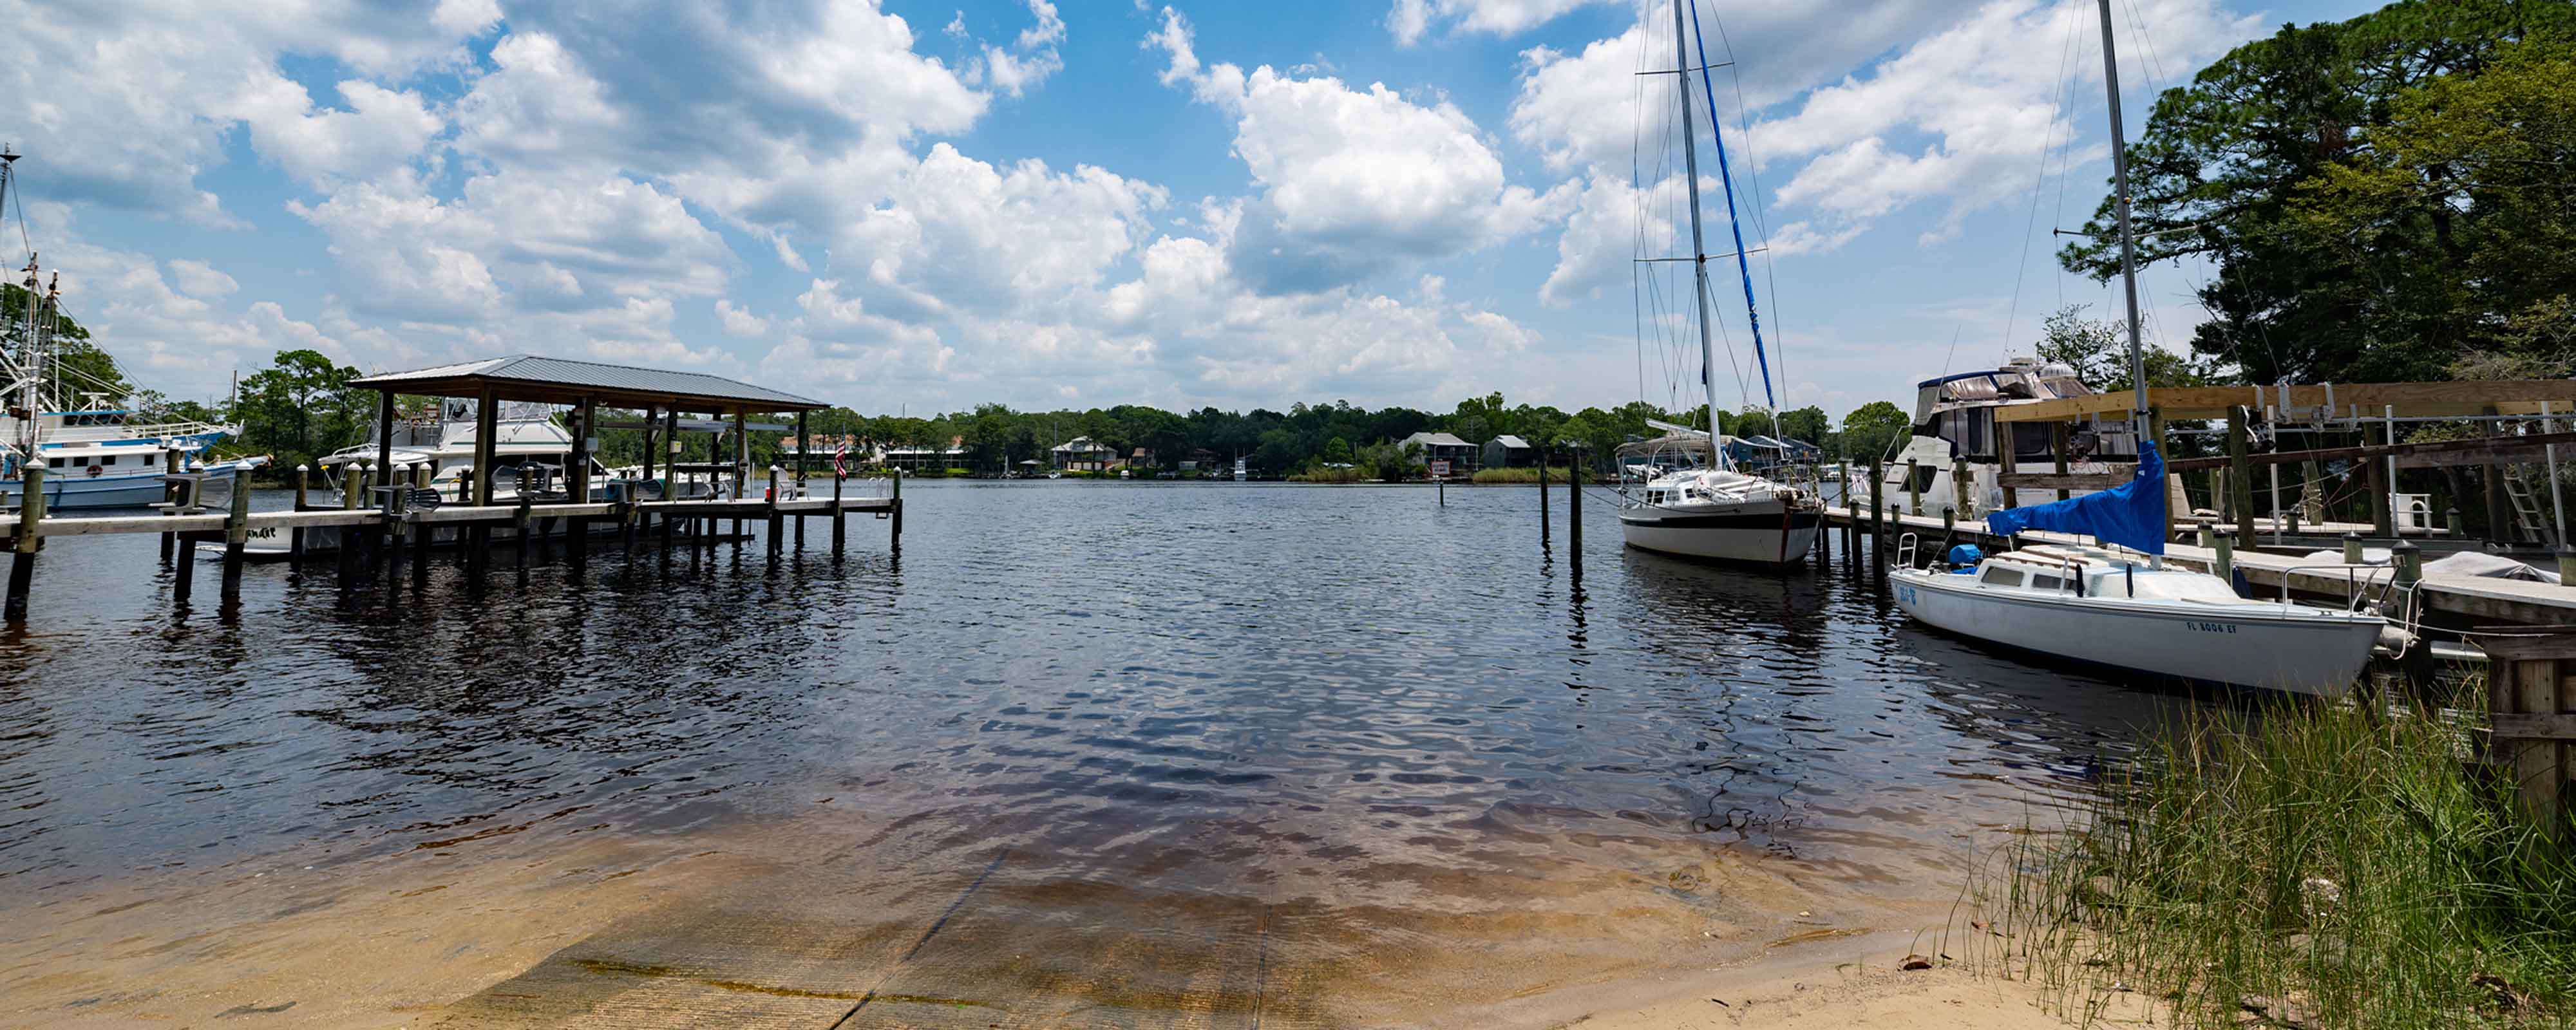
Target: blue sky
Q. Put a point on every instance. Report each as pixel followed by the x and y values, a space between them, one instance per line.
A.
pixel 925 206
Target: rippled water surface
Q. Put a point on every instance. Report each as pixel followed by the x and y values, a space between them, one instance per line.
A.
pixel 1135 751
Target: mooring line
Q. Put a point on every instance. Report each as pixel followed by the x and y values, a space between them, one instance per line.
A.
pixel 926 935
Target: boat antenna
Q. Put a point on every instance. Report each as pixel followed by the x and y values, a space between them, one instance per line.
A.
pixel 1726 179
pixel 1699 252
pixel 2128 239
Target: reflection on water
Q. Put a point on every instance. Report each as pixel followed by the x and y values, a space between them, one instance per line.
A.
pixel 1207 744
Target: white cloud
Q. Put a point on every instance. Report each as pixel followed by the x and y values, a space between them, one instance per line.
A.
pixel 740 321
pixel 1410 20
pixel 1352 180
pixel 201 280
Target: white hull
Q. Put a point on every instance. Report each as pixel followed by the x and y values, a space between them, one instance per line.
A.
pixel 1765 532
pixel 2295 649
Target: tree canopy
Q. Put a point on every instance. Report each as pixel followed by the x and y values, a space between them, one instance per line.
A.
pixel 2383 196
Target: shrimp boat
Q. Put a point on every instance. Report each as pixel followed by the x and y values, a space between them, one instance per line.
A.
pixel 1684 493
pixel 2122 608
pixel 95 453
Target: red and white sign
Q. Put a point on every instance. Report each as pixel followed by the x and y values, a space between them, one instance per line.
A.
pixel 1440 468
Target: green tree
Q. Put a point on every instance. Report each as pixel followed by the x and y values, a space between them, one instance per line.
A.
pixel 1808 424
pixel 2225 169
pixel 1751 421
pixel 1873 430
pixel 300 407
pixel 2098 351
pixel 1337 450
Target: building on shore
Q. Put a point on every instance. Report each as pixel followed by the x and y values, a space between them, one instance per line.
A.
pixel 1427 447
pixel 1083 454
pixel 1508 451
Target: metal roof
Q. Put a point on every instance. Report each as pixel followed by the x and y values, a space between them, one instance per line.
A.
pixel 1431 439
pixel 1512 442
pixel 535 377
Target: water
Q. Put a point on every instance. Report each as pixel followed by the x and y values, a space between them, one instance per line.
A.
pixel 1222 747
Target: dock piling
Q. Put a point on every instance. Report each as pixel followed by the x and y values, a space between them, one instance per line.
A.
pixel 31 513
pixel 895 531
pixel 2240 476
pixel 295 537
pixel 840 525
pixel 1574 504
pixel 775 541
pixel 236 533
pixel 1542 498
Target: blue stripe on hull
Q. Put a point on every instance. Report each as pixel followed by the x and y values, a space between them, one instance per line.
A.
pixel 84 492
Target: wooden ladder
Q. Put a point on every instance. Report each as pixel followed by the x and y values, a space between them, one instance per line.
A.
pixel 2534 523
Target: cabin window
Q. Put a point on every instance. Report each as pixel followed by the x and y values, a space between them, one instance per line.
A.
pixel 109 459
pixel 53 463
pixel 2002 577
pixel 2044 581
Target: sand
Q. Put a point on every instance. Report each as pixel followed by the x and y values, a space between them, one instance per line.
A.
pixel 1852 982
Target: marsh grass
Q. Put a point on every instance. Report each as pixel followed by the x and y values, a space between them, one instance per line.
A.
pixel 1555 474
pixel 2303 864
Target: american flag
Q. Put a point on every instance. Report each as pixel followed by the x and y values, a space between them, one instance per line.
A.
pixel 841 459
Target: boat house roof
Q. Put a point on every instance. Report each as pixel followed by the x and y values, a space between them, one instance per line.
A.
pixel 1430 439
pixel 532 377
pixel 1513 442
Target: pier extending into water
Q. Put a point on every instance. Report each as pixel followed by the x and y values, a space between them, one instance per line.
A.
pixel 387 515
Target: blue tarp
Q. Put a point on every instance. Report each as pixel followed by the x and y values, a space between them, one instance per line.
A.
pixel 2131 515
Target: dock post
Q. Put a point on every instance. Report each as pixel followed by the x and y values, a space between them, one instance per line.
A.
pixel 295 537
pixel 897 537
pixel 2408 561
pixel 1542 498
pixel 2240 476
pixel 2382 522
pixel 31 513
pixel 2008 449
pixel 2203 538
pixel 2224 565
pixel 775 543
pixel 1962 499
pixel 2352 548
pixel 840 530
pixel 2452 521
pixel 396 530
pixel 1913 487
pixel 236 533
pixel 348 534
pixel 2057 453
pixel 1877 506
pixel 169 495
pixel 527 525
pixel 1574 504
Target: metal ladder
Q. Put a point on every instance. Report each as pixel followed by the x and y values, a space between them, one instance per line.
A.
pixel 2535 524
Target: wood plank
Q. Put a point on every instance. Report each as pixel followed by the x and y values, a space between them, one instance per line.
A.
pixel 2520 726
pixel 129 524
pixel 2066 481
pixel 2429 454
pixel 2369 399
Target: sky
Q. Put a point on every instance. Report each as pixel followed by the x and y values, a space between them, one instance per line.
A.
pixel 918 207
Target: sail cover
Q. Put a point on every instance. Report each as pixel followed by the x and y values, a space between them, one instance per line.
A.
pixel 2131 515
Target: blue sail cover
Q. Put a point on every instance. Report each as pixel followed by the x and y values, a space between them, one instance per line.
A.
pixel 2131 514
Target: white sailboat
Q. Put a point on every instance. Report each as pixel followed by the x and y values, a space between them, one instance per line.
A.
pixel 2125 609
pixel 1680 493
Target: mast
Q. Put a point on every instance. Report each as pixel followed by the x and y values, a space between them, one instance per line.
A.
pixel 1735 225
pixel 2128 242
pixel 1699 254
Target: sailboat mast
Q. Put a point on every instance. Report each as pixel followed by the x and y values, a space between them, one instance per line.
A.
pixel 1734 222
pixel 1699 252
pixel 2128 241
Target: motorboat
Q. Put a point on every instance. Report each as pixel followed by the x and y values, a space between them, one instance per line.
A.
pixel 1955 430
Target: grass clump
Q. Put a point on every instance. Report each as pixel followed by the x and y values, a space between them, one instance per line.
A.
pixel 1555 474
pixel 2306 864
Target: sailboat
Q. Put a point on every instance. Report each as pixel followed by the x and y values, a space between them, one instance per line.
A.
pixel 1681 492
pixel 2119 606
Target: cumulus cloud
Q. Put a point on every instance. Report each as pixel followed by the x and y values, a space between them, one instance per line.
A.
pixel 1410 20
pixel 1351 180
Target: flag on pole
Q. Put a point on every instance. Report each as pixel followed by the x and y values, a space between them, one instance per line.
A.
pixel 841 460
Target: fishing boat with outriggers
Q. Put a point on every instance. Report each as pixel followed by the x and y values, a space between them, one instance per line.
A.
pixel 2115 603
pixel 95 452
pixel 1689 492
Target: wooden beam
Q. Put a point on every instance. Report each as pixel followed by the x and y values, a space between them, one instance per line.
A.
pixel 2429 454
pixel 2510 396
pixel 2067 480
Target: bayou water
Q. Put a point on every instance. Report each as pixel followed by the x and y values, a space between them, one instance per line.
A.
pixel 1116 754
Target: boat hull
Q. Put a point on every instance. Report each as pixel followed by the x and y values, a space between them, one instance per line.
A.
pixel 2258 646
pixel 64 492
pixel 1764 532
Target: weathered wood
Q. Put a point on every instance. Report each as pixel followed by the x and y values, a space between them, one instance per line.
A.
pixel 2383 521
pixel 2057 453
pixel 487 431
pixel 236 534
pixel 2511 396
pixel 2240 479
pixel 2069 480
pixel 30 539
pixel 2523 726
pixel 2533 717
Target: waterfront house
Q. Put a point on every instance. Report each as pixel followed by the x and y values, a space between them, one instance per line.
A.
pixel 1428 447
pixel 1083 454
pixel 1201 459
pixel 1508 451
pixel 915 459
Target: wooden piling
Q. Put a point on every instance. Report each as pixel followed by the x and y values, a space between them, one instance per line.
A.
pixel 31 514
pixel 236 533
pixel 2240 476
pixel 776 539
pixel 2382 521
pixel 170 492
pixel 2006 448
pixel 1542 498
pixel 896 516
pixel 840 525
pixel 1877 505
pixel 2057 453
pixel 295 536
pixel 1913 487
pixel 527 525
pixel 1574 505
pixel 1962 500
pixel 2531 701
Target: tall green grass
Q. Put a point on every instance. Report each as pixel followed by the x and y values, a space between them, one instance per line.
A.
pixel 1555 474
pixel 2304 864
